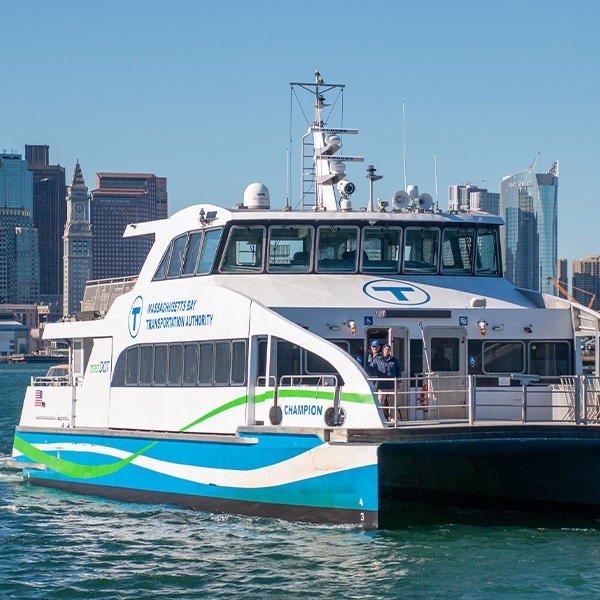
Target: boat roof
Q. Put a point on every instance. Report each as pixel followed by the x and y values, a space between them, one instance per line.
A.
pixel 204 215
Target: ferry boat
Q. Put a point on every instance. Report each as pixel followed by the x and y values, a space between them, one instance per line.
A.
pixel 232 374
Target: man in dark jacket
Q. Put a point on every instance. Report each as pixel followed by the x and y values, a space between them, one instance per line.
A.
pixel 374 355
pixel 388 367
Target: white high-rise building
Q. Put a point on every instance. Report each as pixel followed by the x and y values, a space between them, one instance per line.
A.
pixel 470 197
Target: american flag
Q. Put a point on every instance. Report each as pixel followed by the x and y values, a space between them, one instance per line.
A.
pixel 38 398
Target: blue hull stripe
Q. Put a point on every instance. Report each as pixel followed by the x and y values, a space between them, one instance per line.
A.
pixel 181 467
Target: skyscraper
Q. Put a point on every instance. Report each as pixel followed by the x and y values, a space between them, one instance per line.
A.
pixel 470 197
pixel 19 261
pixel 49 216
pixel 120 199
pixel 529 206
pixel 162 199
pixel 586 281
pixel 77 240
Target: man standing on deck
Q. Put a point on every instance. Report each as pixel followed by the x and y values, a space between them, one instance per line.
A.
pixel 388 367
pixel 374 354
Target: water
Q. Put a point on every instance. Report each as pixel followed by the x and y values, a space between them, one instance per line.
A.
pixel 59 545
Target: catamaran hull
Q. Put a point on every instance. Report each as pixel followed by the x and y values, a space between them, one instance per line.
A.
pixel 293 477
pixel 538 469
pixel 300 477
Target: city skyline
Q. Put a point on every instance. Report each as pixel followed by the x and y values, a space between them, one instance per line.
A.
pixel 489 89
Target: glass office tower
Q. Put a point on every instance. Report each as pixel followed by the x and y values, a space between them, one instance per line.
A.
pixel 19 256
pixel 49 216
pixel 529 206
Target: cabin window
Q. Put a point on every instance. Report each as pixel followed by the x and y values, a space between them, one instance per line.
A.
pixel 337 248
pixel 175 371
pixel 209 249
pixel 415 358
pixel 118 379
pixel 262 346
pixel 445 354
pixel 190 364
pixel 160 364
pixel 191 256
pixel 549 359
pixel 146 364
pixel 487 259
pixel 503 357
pixel 238 363
pixel 290 248
pixel 207 361
pixel 288 358
pixel 132 365
pixel 381 250
pixel 457 251
pixel 315 364
pixel 421 250
pixel 222 363
pixel 244 251
pixel 177 255
pixel 164 263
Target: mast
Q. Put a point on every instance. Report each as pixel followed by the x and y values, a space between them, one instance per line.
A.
pixel 325 169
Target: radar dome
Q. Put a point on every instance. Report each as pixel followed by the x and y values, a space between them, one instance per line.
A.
pixel 413 191
pixel 256 195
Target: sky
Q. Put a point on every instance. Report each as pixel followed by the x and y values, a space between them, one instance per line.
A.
pixel 198 92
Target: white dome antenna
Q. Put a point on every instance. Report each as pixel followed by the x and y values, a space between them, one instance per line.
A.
pixel 256 195
pixel 413 191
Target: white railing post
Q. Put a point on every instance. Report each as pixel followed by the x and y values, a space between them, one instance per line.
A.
pixel 577 399
pixel 471 397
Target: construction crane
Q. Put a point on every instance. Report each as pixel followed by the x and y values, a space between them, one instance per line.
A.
pixel 559 286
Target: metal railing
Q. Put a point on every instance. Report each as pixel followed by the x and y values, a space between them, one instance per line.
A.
pixel 99 294
pixel 524 399
pixel 56 380
pixel 334 417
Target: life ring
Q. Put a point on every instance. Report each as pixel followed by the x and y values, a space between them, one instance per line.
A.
pixel 424 396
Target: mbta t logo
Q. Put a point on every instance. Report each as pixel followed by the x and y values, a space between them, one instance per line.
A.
pixel 392 291
pixel 135 316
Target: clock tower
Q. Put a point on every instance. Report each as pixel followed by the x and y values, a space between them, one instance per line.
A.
pixel 77 241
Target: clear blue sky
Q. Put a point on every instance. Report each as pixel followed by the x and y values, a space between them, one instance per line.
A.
pixel 197 91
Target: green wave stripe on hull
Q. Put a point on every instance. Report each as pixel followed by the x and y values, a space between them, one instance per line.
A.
pixel 220 409
pixel 282 393
pixel 71 469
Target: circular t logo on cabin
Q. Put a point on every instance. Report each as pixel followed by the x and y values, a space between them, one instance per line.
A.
pixel 391 291
pixel 135 316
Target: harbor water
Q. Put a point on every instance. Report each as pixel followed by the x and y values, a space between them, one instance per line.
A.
pixel 59 545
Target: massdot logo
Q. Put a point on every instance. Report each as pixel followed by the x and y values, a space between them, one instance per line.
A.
pixel 391 291
pixel 135 316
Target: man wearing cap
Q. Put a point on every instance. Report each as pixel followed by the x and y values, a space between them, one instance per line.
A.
pixel 388 368
pixel 374 354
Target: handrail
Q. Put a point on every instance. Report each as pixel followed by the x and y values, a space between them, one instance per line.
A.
pixel 461 398
pixel 299 380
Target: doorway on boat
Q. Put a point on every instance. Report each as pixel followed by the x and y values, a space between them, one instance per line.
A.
pixel 262 360
pixel 398 339
pixel 445 371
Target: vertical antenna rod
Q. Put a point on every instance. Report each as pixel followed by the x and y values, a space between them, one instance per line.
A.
pixel 404 142
pixel 437 205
